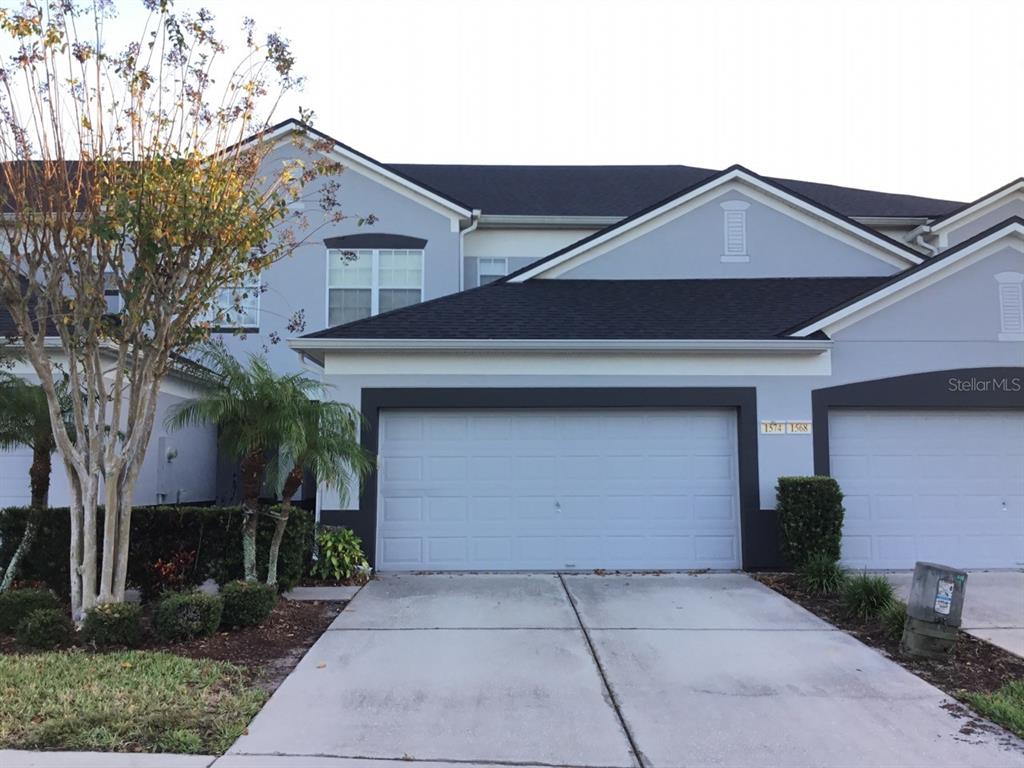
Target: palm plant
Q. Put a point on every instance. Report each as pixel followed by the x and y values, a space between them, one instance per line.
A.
pixel 256 412
pixel 25 421
pixel 328 444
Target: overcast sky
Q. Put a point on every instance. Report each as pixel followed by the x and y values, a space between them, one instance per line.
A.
pixel 897 95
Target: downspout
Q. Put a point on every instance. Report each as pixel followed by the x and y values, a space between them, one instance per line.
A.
pixel 918 235
pixel 474 223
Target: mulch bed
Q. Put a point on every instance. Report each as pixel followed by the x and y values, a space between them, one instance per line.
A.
pixel 269 651
pixel 975 666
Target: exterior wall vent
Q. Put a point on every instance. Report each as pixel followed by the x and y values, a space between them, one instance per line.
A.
pixel 1011 306
pixel 734 248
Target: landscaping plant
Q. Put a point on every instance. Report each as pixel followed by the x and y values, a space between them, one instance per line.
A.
pixel 171 574
pixel 340 557
pixel 19 603
pixel 866 595
pixel 45 629
pixel 247 603
pixel 1005 706
pixel 822 574
pixel 112 625
pixel 894 618
pixel 187 615
pixel 810 513
pixel 124 169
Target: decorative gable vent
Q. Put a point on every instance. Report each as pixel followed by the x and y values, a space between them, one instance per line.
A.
pixel 735 246
pixel 1011 306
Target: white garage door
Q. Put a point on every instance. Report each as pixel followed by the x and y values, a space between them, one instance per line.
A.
pixel 552 490
pixel 944 486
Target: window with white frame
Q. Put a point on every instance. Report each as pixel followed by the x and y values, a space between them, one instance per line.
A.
pixel 111 295
pixel 237 306
pixel 1011 306
pixel 366 282
pixel 490 269
pixel 734 247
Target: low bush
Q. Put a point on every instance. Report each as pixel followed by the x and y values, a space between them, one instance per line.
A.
pixel 113 625
pixel 894 617
pixel 821 573
pixel 45 629
pixel 247 603
pixel 810 512
pixel 159 534
pixel 170 574
pixel 340 557
pixel 866 595
pixel 187 615
pixel 16 604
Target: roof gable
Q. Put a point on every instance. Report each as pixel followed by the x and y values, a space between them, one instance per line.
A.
pixel 734 178
pixel 910 281
pixel 1012 191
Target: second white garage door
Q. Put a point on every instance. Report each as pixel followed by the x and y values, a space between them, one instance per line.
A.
pixel 943 486
pixel 545 489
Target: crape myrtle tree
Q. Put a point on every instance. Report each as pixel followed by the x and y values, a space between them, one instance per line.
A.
pixel 128 170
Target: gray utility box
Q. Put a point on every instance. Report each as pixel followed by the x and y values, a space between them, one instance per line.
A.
pixel 934 610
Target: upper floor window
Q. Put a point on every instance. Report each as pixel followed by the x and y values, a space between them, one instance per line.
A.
pixel 490 269
pixel 1011 306
pixel 237 306
pixel 735 227
pixel 365 282
pixel 111 295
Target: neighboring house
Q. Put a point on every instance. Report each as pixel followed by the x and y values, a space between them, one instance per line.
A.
pixel 579 367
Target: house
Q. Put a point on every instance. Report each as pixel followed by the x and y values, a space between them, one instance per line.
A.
pixel 608 367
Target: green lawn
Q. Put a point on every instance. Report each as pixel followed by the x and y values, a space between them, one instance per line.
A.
pixel 1005 706
pixel 136 701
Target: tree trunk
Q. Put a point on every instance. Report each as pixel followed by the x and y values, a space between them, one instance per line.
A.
pixel 291 484
pixel 39 481
pixel 251 470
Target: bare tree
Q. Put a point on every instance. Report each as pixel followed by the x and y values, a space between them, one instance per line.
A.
pixel 129 170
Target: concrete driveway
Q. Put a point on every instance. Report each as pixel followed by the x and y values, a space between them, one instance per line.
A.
pixel 584 670
pixel 993 606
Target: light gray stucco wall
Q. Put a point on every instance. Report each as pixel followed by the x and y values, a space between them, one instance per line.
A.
pixel 299 282
pixel 692 246
pixel 969 229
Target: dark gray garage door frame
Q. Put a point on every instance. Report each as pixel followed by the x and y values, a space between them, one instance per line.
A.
pixel 956 389
pixel 758 544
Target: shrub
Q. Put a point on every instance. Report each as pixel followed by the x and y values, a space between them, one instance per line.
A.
pixel 247 603
pixel 171 574
pixel 810 511
pixel 894 617
pixel 187 615
pixel 45 628
pixel 341 556
pixel 821 573
pixel 16 604
pixel 159 533
pixel 865 596
pixel 113 624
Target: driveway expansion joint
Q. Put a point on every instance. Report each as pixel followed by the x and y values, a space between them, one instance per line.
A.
pixel 634 749
pixel 409 759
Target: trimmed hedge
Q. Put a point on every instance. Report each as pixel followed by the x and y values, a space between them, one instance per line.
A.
pixel 187 615
pixel 247 603
pixel 45 628
pixel 160 533
pixel 810 511
pixel 113 624
pixel 16 604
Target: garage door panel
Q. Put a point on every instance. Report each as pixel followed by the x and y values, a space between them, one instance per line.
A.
pixel 558 489
pixel 930 485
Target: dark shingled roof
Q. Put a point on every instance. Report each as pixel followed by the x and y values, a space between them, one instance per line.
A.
pixel 619 190
pixel 760 308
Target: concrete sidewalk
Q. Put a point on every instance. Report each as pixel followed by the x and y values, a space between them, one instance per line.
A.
pixel 993 605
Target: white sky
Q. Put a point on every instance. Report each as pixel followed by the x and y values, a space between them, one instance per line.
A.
pixel 915 96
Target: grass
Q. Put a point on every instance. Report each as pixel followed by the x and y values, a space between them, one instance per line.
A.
pixel 134 701
pixel 822 574
pixel 866 595
pixel 1004 706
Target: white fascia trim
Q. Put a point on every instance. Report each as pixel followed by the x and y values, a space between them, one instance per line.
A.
pixel 389 178
pixel 511 221
pixel 891 221
pixel 768 346
pixel 880 246
pixel 981 207
pixel 906 286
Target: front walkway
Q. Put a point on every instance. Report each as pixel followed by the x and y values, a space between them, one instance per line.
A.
pixel 610 671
